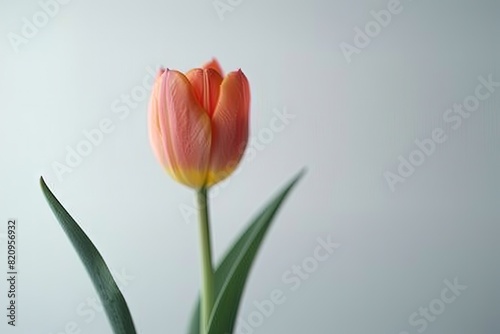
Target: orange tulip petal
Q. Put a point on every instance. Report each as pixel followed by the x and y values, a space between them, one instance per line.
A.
pixel 229 127
pixel 155 137
pixel 206 84
pixel 214 64
pixel 186 126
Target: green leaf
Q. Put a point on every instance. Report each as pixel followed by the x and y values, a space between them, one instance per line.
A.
pixel 114 304
pixel 231 275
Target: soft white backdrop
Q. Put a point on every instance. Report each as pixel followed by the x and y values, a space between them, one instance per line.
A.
pixel 349 123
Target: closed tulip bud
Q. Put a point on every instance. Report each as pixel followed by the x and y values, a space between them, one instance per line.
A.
pixel 198 123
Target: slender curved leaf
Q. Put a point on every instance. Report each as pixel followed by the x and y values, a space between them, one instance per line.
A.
pixel 221 273
pixel 112 300
pixel 232 273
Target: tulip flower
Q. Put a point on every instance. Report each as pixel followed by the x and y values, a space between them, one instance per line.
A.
pixel 198 123
pixel 198 128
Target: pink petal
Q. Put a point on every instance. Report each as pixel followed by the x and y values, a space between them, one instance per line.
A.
pixel 206 84
pixel 229 126
pixel 214 64
pixel 185 126
pixel 155 136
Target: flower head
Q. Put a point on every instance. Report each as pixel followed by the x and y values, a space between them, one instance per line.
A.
pixel 198 123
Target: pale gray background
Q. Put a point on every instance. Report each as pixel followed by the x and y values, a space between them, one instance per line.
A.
pixel 351 123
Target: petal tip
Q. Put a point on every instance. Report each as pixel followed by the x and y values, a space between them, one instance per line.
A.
pixel 214 64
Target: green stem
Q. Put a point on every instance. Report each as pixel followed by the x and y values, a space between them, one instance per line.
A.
pixel 207 296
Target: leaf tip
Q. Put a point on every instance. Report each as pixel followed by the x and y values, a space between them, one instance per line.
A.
pixel 302 172
pixel 300 175
pixel 43 185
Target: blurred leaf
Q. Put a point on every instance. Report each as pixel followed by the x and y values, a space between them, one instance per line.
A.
pixel 112 300
pixel 232 273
